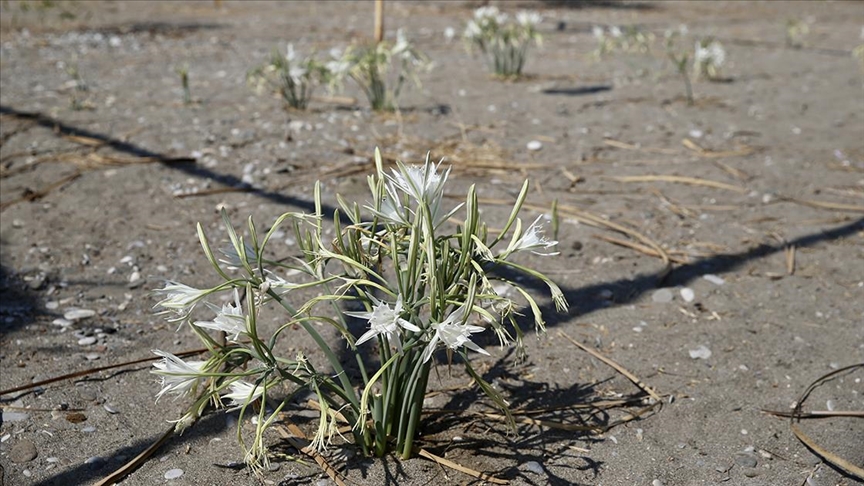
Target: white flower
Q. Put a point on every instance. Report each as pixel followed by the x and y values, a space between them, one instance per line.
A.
pixel 454 333
pixel 712 54
pixel 422 183
pixel 384 320
pixel 402 47
pixel 597 31
pixel 243 392
pixel 180 299
pixel 290 55
pixel 178 376
pixel 488 12
pixel 615 31
pixel 528 18
pixel 296 74
pixel 229 319
pixel 338 67
pixel 449 33
pixel 472 30
pixel 532 239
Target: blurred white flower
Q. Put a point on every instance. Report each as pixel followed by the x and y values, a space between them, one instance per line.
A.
pixel 178 376
pixel 487 12
pixel 449 33
pixel 229 319
pixel 713 54
pixel 454 333
pixel 527 18
pixel 243 393
pixel 402 46
pixel 384 321
pixel 473 30
pixel 597 32
pixel 338 67
pixel 615 31
pixel 297 74
pixel 290 55
pixel 532 239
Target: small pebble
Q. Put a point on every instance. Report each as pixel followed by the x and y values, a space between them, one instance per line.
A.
pixel 687 294
pixel 714 279
pixel 77 314
pixel 662 296
pixel 534 467
pixel 52 305
pixel 92 356
pixel 87 341
pixel 23 451
pixel 534 145
pixel 656 482
pixel 701 352
pixel 89 429
pixel 746 460
pixel 110 409
pixel 62 322
pixel 9 416
pixel 829 405
pixel 173 473
pixel 95 462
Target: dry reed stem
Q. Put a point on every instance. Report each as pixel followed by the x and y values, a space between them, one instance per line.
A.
pixel 640 248
pixel 629 146
pixel 693 181
pixel 824 205
pixel 458 467
pixel 620 369
pixel 711 154
pixel 299 441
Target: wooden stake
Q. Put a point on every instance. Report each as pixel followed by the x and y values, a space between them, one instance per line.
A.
pixel 379 20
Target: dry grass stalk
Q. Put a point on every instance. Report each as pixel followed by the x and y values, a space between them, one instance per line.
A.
pixel 299 441
pixel 694 181
pixel 620 369
pixel 790 259
pixel 640 248
pixel 825 205
pixel 711 154
pixel 30 195
pixel 629 146
pixel 736 173
pixel 452 465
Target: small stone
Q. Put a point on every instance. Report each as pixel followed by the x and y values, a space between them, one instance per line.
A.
pixel 9 416
pixel 23 451
pixel 110 409
pixel 746 460
pixel 687 294
pixel 89 429
pixel 752 473
pixel 829 405
pixel 656 482
pixel 534 467
pixel 77 314
pixel 92 356
pixel 662 296
pixel 95 462
pixel 534 145
pixel 173 473
pixel 87 341
pixel 86 394
pixel 52 305
pixel 701 352
pixel 714 279
pixel 62 322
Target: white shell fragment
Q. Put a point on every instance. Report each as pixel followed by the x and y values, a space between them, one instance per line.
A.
pixel 701 352
pixel 687 294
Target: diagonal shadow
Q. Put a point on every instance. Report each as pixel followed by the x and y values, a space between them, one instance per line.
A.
pixel 138 151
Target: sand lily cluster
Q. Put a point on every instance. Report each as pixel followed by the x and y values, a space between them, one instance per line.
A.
pixel 412 272
pixel 504 41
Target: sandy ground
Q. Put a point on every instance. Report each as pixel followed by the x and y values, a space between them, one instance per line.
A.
pixel 786 124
